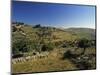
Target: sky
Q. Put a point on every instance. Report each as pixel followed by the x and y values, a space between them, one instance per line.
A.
pixel 51 14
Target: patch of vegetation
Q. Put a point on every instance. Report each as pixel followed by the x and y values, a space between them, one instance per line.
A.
pixel 69 49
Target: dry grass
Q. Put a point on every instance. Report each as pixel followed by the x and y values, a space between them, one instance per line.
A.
pixel 51 63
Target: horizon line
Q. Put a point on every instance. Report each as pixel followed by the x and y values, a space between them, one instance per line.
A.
pixel 61 27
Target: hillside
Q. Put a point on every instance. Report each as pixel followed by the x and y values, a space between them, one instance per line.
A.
pixel 52 49
pixel 56 34
pixel 82 32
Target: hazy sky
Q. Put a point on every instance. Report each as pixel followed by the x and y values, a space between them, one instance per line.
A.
pixel 58 15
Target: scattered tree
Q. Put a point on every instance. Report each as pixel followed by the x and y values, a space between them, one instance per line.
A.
pixel 83 43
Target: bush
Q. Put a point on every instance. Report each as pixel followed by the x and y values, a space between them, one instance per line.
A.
pixel 84 43
pixel 50 46
pixel 21 45
pixel 47 47
pixel 37 26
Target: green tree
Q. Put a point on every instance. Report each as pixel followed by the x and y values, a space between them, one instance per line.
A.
pixel 84 43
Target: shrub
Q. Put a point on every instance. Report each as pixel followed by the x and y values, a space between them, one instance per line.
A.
pixel 50 46
pixel 47 47
pixel 37 26
pixel 84 43
pixel 21 45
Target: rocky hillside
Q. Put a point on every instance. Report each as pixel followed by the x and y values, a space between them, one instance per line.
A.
pixel 52 48
pixel 33 36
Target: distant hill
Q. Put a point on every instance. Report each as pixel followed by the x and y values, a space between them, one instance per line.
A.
pixel 82 32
